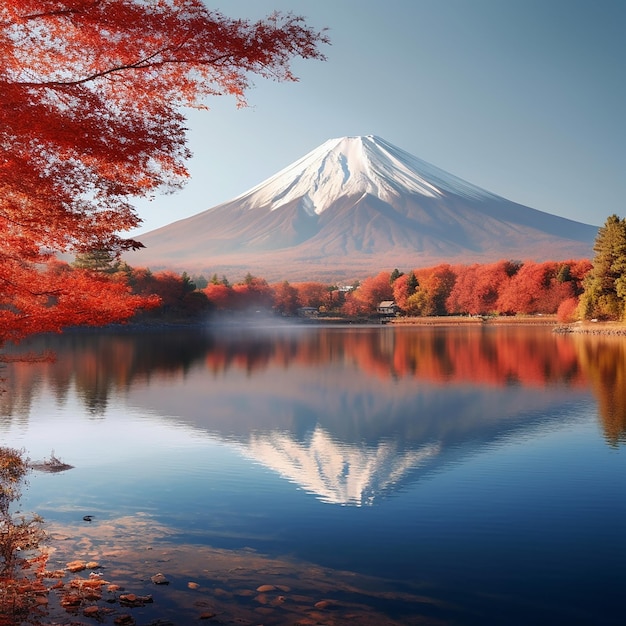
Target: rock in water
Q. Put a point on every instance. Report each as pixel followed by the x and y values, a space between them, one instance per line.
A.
pixel 159 579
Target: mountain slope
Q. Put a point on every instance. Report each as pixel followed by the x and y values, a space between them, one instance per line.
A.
pixel 353 206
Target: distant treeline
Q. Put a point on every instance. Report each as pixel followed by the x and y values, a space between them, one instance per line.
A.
pixel 573 289
pixel 502 288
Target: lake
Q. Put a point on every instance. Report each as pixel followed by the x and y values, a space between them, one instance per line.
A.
pixel 355 474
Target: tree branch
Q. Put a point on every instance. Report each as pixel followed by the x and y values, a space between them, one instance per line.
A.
pixel 142 64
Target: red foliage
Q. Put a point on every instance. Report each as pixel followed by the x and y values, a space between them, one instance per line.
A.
pixel 220 296
pixel 401 291
pixel 578 270
pixel 435 285
pixel 90 111
pixel 353 306
pixel 566 313
pixel 478 287
pixel 313 294
pixel 370 293
pixel 253 293
pixel 542 287
pixel 528 291
pixel 176 293
pixel 286 300
pixel 58 296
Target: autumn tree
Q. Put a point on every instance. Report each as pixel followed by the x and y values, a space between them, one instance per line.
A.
pixel 478 287
pixel 371 292
pixel 221 296
pixel 354 306
pixel 315 294
pixel 253 293
pixel 434 287
pixel 567 311
pixel 537 288
pixel 91 101
pixel 50 298
pixel 404 286
pixel 177 293
pixel 604 295
pixel 286 300
pixel 578 271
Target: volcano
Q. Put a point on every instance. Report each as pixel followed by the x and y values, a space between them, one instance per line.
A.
pixel 355 206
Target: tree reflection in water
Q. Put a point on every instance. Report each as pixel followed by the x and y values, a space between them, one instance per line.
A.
pixel 98 364
pixel 603 359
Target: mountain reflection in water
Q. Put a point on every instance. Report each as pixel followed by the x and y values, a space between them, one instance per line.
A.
pixel 347 414
pixel 381 474
pixel 338 474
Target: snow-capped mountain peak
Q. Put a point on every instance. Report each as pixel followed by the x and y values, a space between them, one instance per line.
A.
pixel 355 205
pixel 354 166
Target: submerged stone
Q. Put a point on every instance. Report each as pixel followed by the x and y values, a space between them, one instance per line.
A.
pixel 159 579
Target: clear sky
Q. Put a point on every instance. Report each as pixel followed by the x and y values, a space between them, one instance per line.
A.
pixel 525 98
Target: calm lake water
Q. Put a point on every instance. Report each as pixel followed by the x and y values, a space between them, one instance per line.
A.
pixel 371 475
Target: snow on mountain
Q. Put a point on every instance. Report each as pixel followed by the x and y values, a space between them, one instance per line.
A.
pixel 337 473
pixel 355 166
pixel 354 206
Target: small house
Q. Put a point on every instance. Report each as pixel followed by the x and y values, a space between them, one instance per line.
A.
pixel 387 307
pixel 307 311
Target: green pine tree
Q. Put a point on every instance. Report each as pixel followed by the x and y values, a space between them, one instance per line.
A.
pixel 99 260
pixel 395 275
pixel 604 295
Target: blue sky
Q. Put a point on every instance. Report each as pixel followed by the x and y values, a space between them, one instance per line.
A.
pixel 525 98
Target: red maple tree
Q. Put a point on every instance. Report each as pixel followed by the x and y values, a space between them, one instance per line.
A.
pixel 91 116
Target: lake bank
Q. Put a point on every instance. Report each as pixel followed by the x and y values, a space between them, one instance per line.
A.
pixel 476 320
pixel 617 329
pixel 156 325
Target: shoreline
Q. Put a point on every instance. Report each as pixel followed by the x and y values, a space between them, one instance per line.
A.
pixel 476 320
pixel 583 328
pixel 607 329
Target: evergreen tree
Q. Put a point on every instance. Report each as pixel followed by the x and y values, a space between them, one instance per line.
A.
pixel 99 260
pixel 395 275
pixel 564 273
pixel 604 296
pixel 200 281
pixel 188 284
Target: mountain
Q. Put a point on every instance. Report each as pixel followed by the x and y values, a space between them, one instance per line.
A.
pixel 355 206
